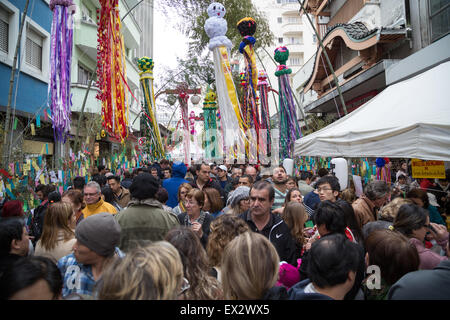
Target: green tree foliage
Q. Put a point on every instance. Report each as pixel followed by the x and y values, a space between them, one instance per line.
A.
pixel 193 14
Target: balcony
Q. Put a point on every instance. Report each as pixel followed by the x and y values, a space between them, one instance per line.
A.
pixel 296 47
pixel 92 104
pixel 292 28
pixel 85 38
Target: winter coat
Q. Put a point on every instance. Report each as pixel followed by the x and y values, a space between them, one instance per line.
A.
pixel 143 222
pixel 365 210
pixel 172 184
pixel 184 220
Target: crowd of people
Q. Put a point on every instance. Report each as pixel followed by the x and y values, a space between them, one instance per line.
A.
pixel 214 232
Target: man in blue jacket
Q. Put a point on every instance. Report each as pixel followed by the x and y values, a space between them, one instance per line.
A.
pixel 172 184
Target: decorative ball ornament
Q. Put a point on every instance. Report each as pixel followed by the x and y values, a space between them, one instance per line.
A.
pixel 195 99
pixel 247 26
pixel 145 64
pixel 103 133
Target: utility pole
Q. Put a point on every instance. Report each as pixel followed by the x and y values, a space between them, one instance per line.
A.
pixel 7 130
pixel 338 87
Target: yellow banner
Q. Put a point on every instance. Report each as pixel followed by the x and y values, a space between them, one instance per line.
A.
pixel 427 169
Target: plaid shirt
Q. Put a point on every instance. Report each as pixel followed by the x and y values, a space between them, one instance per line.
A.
pixel 77 277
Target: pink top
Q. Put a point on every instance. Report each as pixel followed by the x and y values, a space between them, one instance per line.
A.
pixel 428 258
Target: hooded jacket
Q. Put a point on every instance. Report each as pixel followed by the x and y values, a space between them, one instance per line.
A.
pixel 278 233
pixel 143 222
pixel 172 184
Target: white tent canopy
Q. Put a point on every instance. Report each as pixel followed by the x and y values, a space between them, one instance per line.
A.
pixel 410 119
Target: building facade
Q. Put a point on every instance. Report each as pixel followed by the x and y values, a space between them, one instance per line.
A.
pixel 31 129
pixel 371 45
pixel 290 30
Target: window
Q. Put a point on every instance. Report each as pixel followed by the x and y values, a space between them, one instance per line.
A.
pixel 294 20
pixel 295 61
pixel 84 75
pixel 294 40
pixel 33 51
pixel 4 30
pixel 280 40
pixel 439 18
pixel 279 20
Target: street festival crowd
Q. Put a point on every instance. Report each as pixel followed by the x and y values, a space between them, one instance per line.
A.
pixel 228 232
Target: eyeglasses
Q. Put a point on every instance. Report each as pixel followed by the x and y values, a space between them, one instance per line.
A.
pixel 91 194
pixel 184 286
pixel 323 189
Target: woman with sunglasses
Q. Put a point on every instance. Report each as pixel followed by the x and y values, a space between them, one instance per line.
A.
pixel 414 222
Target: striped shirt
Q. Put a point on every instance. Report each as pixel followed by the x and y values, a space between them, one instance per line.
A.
pixel 279 199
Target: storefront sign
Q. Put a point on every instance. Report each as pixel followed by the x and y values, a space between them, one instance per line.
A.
pixel 427 169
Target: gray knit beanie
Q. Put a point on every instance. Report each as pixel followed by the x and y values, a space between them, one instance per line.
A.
pixel 100 233
pixel 237 195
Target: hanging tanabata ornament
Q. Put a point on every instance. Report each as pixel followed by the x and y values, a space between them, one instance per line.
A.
pixel 289 128
pixel 111 70
pixel 210 124
pixel 231 117
pixel 247 28
pixel 264 136
pixel 154 146
pixel 60 65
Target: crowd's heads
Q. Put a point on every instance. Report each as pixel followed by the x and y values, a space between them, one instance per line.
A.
pixel 42 191
pixel 195 263
pixel 154 272
pixel 411 220
pixel 54 197
pixel 13 237
pixel 202 172
pixel 31 278
pixel 59 217
pixel 223 229
pixel 100 233
pixel 390 210
pixel 293 194
pixel 251 171
pixel 144 186
pixel 328 187
pixel 333 262
pixel 392 253
pixel 75 197
pixel 197 196
pixel 162 195
pixel 245 180
pixel 295 216
pixel 250 266
pixel 377 191
pixel 306 176
pixel 279 175
pixel 262 196
pixel 78 183
pixel 240 193
pixel 329 218
pixel 92 192
pixel 183 190
pixel 419 197
pixel 212 196
pixel 114 183
pixel 12 208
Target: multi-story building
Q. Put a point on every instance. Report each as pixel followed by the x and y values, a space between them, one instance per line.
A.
pixel 290 30
pixel 29 94
pixel 371 45
pixel 84 63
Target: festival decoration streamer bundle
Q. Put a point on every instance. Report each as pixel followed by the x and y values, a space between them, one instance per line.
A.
pixel 111 70
pixel 210 124
pixel 232 121
pixel 183 98
pixel 247 28
pixel 60 66
pixel 154 142
pixel 289 127
pixel 265 138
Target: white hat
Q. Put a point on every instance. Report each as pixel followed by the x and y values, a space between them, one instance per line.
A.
pixel 222 167
pixel 432 199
